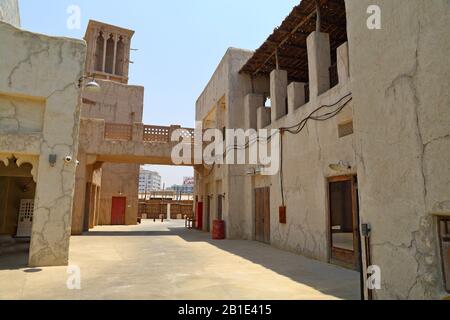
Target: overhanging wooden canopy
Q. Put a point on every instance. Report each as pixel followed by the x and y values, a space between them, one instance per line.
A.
pixel 287 44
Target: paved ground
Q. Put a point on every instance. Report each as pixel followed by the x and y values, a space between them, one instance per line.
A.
pixel 165 261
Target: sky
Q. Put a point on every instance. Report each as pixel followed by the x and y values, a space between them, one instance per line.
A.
pixel 179 42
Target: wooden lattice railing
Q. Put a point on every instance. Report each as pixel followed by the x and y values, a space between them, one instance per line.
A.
pixel 187 133
pixel 158 134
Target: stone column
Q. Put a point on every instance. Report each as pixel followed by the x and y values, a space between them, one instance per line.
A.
pixel 319 62
pixel 168 211
pixel 116 38
pixel 93 45
pixel 126 60
pixel 296 96
pixel 52 221
pixel 138 132
pixel 343 63
pixel 251 104
pixel 105 40
pixel 278 93
pixel 80 191
pixel 92 203
pixel 263 115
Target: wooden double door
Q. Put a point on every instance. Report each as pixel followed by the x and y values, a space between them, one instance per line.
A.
pixel 262 215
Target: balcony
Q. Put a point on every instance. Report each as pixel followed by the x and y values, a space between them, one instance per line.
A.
pixel 149 134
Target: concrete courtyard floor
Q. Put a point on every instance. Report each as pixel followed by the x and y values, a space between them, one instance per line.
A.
pixel 163 261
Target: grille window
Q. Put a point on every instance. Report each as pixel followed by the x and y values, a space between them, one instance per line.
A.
pixel 345 129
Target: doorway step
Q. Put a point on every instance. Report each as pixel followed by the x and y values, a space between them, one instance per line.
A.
pixel 10 245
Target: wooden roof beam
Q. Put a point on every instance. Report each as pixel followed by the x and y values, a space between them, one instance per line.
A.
pixel 297 28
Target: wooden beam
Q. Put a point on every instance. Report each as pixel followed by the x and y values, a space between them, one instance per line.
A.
pixel 318 16
pixel 305 20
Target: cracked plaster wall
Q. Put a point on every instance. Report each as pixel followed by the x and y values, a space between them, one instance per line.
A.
pixel 38 67
pixel 9 12
pixel 306 169
pixel 306 165
pixel 229 180
pixel 21 115
pixel 402 123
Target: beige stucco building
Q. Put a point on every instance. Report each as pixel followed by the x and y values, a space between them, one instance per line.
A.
pixel 363 113
pixel 113 141
pixel 101 186
pixel 9 12
pixel 374 155
pixel 71 135
pixel 40 104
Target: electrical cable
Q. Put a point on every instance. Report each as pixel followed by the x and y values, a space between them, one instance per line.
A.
pixel 299 127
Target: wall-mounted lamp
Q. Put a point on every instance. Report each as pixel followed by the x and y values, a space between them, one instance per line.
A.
pixel 250 172
pixel 254 171
pixel 91 86
pixel 341 166
pixel 52 159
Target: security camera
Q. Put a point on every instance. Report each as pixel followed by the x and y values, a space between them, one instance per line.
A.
pixel 77 162
pixel 68 159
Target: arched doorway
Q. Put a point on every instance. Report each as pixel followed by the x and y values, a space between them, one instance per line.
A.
pixel 17 194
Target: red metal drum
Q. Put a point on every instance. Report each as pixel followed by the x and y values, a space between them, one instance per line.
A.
pixel 218 232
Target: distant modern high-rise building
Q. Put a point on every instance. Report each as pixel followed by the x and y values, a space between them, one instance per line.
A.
pixel 149 181
pixel 186 188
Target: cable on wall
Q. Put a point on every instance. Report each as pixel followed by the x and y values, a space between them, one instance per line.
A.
pixel 294 130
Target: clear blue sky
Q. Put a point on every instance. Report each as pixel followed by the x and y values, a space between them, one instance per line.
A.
pixel 180 43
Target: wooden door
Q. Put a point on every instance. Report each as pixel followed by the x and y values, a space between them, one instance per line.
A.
pixel 344 222
pixel 200 216
pixel 208 214
pixel 87 207
pixel 118 210
pixel 220 207
pixel 262 215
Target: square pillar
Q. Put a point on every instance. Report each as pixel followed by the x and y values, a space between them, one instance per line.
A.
pixel 319 62
pixel 251 104
pixel 343 63
pixel 264 116
pixel 296 96
pixel 138 132
pixel 79 196
pixel 278 93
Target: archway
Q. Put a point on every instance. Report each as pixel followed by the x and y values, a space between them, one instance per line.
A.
pixel 17 194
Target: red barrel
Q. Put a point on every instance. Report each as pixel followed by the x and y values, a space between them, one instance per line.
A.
pixel 218 232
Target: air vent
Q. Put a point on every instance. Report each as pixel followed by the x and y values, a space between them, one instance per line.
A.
pixel 345 129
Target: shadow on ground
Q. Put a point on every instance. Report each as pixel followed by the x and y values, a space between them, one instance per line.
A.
pixel 328 279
